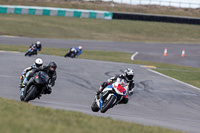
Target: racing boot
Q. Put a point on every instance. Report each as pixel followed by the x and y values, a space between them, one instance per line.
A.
pixel 22 94
pixel 22 87
pixel 97 94
pixel 39 96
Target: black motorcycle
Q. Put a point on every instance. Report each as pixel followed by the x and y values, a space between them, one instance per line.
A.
pixel 71 53
pixel 35 86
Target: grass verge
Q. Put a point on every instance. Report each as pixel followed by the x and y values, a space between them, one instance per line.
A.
pixel 189 75
pixel 18 117
pixel 92 29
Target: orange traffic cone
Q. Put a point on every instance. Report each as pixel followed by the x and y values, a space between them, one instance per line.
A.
pixel 165 52
pixel 183 53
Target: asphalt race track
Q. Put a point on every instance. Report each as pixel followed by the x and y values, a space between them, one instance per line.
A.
pixel 157 100
pixel 147 51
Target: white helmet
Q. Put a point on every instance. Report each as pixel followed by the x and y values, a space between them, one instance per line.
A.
pixel 128 74
pixel 38 62
pixel 79 47
pixel 38 42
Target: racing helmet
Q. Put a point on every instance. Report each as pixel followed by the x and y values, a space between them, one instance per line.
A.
pixel 128 74
pixel 79 47
pixel 38 45
pixel 38 62
pixel 52 67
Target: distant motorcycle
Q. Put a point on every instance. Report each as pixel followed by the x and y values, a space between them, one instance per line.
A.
pixel 31 51
pixel 71 53
pixel 35 86
pixel 110 96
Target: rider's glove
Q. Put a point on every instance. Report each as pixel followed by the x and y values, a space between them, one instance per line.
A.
pixel 130 92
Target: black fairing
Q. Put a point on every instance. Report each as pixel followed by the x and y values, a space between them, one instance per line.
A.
pixel 41 78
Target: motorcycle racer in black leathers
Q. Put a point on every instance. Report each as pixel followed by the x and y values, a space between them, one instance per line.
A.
pixel 50 70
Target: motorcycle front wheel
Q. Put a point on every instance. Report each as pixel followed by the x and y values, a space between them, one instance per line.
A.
pixel 26 53
pixel 108 104
pixel 94 106
pixel 31 94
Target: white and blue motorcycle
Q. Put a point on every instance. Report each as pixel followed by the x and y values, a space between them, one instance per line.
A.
pixel 31 51
pixel 110 96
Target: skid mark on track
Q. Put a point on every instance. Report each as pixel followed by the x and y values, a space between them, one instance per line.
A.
pixel 85 84
pixel 146 85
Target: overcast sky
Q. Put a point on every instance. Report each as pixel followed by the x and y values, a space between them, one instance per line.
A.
pixel 176 3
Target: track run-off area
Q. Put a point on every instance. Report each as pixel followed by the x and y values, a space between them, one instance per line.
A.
pixel 157 100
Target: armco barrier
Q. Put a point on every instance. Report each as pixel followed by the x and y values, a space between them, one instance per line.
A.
pixel 156 18
pixel 33 10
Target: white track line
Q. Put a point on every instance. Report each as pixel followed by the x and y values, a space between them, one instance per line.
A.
pixel 174 79
pixel 132 57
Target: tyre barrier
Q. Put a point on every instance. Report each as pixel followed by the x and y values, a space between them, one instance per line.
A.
pixel 48 11
pixel 156 18
pixel 65 12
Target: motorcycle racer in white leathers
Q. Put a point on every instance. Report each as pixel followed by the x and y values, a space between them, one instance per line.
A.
pixel 128 76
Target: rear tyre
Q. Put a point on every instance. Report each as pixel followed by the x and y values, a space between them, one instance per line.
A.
pixel 108 104
pixel 94 107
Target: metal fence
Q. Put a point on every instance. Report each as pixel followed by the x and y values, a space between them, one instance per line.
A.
pixel 158 2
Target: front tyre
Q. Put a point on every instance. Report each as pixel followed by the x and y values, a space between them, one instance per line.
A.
pixel 26 53
pixel 94 106
pixel 108 104
pixel 31 94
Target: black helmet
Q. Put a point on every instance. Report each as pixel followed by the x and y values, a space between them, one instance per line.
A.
pixel 52 66
pixel 128 74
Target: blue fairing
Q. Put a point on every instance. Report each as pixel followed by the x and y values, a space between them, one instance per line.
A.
pixel 30 50
pixel 78 51
pixel 109 86
pixel 100 100
pixel 100 103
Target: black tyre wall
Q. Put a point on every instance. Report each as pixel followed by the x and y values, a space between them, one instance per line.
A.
pixel 156 18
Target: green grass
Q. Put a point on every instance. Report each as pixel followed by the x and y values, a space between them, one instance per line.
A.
pixel 92 29
pixel 186 74
pixel 18 117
